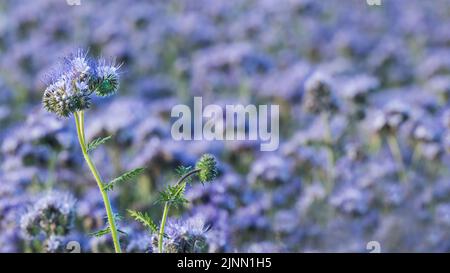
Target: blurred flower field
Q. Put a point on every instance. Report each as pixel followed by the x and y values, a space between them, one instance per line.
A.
pixel 364 95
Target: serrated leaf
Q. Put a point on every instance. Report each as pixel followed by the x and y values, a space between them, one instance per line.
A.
pixel 97 142
pixel 144 219
pixel 124 177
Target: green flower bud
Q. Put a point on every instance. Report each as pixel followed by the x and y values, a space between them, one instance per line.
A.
pixel 208 168
pixel 105 80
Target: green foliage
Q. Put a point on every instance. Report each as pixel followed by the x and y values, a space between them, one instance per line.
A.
pixel 117 217
pixel 101 232
pixel 123 178
pixel 208 168
pixel 174 195
pixel 96 143
pixel 144 219
pixel 182 170
pixel 104 232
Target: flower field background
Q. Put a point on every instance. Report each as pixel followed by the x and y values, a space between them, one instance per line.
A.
pixel 365 160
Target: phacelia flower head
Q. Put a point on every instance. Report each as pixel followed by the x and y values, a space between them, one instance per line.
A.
pixel 184 237
pixel 105 79
pixel 78 79
pixel 52 215
pixel 66 96
pixel 394 114
pixel 319 96
pixel 208 168
pixel 79 64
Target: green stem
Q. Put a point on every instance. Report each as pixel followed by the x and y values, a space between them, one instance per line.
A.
pixel 330 148
pixel 162 227
pixel 167 207
pixel 186 176
pixel 79 120
pixel 416 155
pixel 397 154
pixel 81 115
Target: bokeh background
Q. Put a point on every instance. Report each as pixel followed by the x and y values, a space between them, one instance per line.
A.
pixel 364 160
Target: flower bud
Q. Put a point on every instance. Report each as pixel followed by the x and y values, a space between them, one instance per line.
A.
pixel 105 80
pixel 208 168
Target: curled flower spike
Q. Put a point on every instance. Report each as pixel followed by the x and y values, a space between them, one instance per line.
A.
pixel 79 79
pixel 105 80
pixel 208 168
pixel 70 93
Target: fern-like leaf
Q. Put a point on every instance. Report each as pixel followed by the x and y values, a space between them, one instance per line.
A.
pixel 144 219
pixel 173 195
pixel 97 142
pixel 124 177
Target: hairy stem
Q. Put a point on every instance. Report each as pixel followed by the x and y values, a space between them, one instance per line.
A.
pixel 166 210
pixel 79 120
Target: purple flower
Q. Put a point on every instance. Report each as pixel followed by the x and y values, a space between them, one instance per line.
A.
pixel 184 237
pixel 53 214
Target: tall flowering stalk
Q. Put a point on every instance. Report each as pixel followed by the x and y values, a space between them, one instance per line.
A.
pixel 70 94
pixel 319 99
pixel 387 124
pixel 79 120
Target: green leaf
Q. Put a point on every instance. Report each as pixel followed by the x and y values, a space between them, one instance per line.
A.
pixel 124 177
pixel 97 142
pixel 104 231
pixel 145 219
pixel 173 195
pixel 117 217
pixel 101 232
pixel 181 171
